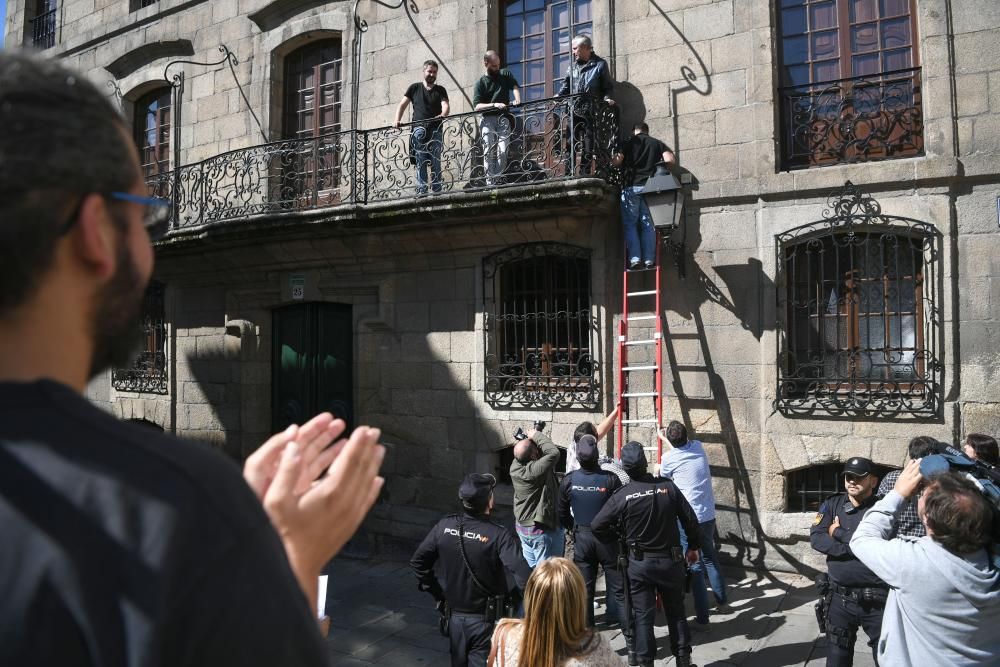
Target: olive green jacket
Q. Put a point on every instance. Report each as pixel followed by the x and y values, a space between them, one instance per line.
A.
pixel 536 487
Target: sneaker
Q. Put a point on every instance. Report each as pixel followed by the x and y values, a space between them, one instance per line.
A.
pixel 649 264
pixel 633 263
pixel 695 626
pixel 723 608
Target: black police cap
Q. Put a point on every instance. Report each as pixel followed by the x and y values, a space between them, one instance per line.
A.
pixel 476 488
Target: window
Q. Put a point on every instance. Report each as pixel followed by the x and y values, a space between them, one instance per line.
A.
pixel 859 313
pixel 152 132
pixel 148 373
pixel 312 117
pixel 807 488
pixel 850 82
pixel 43 25
pixel 539 331
pixel 537 35
pixel 136 5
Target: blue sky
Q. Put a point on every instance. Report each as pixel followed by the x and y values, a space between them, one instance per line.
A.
pixel 3 20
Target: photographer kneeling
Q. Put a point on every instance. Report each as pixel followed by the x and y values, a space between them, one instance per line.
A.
pixel 944 602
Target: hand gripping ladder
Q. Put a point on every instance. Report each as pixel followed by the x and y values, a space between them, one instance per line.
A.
pixel 640 360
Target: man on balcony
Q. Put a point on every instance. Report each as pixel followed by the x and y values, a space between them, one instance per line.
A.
pixel 588 75
pixel 640 156
pixel 430 103
pixel 493 95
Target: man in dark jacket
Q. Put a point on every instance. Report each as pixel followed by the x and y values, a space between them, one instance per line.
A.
pixel 474 552
pixel 588 75
pixel 649 508
pixel 582 494
pixel 856 595
pixel 535 488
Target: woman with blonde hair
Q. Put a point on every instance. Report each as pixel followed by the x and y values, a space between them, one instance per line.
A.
pixel 554 630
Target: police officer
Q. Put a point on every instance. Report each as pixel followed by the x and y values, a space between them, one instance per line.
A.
pixel 853 594
pixel 650 508
pixel 473 551
pixel 582 494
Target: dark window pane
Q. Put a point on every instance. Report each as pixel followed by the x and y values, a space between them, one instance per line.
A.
pixel 827 70
pixel 513 51
pixel 863 10
pixel 897 60
pixel 797 75
pixel 895 33
pixel 534 23
pixel 583 29
pixel 822 15
pixel 865 65
pixel 559 67
pixel 581 11
pixel 534 92
pixel 560 41
pixel 513 26
pixel 560 12
pixel 533 4
pixel 515 7
pixel 534 71
pixel 895 7
pixel 793 21
pixel 792 3
pixel 795 50
pixel 864 38
pixel 825 45
pixel 516 70
pixel 534 47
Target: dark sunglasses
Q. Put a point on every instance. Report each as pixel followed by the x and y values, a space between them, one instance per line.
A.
pixel 156 219
pixel 853 477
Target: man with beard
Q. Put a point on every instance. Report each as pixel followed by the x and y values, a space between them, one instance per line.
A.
pixel 493 95
pixel 430 103
pixel 122 546
pixel 853 595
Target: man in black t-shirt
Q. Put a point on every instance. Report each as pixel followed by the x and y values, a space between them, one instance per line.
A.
pixel 493 95
pixel 123 546
pixel 640 156
pixel 430 103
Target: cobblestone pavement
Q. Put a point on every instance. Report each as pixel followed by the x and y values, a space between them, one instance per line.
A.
pixel 379 618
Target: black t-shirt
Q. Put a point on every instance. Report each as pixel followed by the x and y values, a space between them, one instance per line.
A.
pixel 124 546
pixel 492 89
pixel 642 153
pixel 426 103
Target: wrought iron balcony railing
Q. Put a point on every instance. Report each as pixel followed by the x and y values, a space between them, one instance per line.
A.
pixel 856 119
pixel 545 140
pixel 43 30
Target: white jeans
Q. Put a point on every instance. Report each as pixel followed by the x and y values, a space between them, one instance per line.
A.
pixel 496 131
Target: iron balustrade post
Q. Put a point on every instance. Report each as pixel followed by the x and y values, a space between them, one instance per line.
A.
pixel 364 134
pixel 316 171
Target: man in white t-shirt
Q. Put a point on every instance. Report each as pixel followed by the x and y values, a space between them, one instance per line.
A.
pixel 685 462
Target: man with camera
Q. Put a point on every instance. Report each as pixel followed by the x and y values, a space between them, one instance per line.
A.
pixel 474 552
pixel 533 474
pixel 944 602
pixel 853 596
pixel 647 511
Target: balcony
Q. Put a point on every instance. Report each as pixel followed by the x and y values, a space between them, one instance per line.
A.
pixel 857 119
pixel 546 140
pixel 43 30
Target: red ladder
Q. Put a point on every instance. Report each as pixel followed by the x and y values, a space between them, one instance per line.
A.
pixel 641 384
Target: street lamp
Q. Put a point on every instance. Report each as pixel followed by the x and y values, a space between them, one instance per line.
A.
pixel 663 197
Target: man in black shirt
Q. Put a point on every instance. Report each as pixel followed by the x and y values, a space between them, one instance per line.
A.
pixel 640 156
pixel 582 494
pixel 856 597
pixel 493 95
pixel 123 546
pixel 473 552
pixel 430 102
pixel 588 74
pixel 650 507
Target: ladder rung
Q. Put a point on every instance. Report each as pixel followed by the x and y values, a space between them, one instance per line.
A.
pixel 640 342
pixel 643 293
pixel 640 368
pixel 639 394
pixel 635 318
pixel 640 421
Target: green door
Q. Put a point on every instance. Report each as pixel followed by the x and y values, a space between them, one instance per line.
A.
pixel 312 362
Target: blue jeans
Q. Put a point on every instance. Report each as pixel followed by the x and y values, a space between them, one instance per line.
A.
pixel 548 544
pixel 427 153
pixel 707 564
pixel 640 235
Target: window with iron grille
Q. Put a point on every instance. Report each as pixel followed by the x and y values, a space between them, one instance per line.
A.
pixel 859 321
pixel 537 36
pixel 136 5
pixel 850 81
pixel 42 31
pixel 539 331
pixel 807 488
pixel 148 373
pixel 152 132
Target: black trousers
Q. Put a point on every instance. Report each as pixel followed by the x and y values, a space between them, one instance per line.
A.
pixel 646 577
pixel 469 635
pixel 589 552
pixel 843 619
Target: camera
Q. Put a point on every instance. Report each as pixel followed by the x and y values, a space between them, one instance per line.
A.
pixel 519 434
pixel 985 477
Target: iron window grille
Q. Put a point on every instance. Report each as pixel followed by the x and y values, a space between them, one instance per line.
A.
pixel 860 326
pixel 43 26
pixel 807 488
pixel 148 373
pixel 539 334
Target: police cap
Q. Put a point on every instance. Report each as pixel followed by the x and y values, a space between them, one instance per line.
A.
pixel 586 450
pixel 858 466
pixel 476 488
pixel 633 456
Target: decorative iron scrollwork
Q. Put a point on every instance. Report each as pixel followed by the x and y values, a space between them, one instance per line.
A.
pixel 148 373
pixel 861 328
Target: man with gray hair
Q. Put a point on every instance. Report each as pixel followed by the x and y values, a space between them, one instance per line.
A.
pixel 588 75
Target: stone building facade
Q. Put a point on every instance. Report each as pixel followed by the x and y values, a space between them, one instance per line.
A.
pixel 801 327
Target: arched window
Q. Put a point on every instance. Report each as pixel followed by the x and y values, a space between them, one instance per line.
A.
pixel 537 35
pixel 859 317
pixel 152 131
pixel 539 331
pixel 313 84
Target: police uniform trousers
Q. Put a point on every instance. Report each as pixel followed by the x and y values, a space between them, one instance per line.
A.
pixel 646 577
pixel 842 621
pixel 469 636
pixel 589 552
